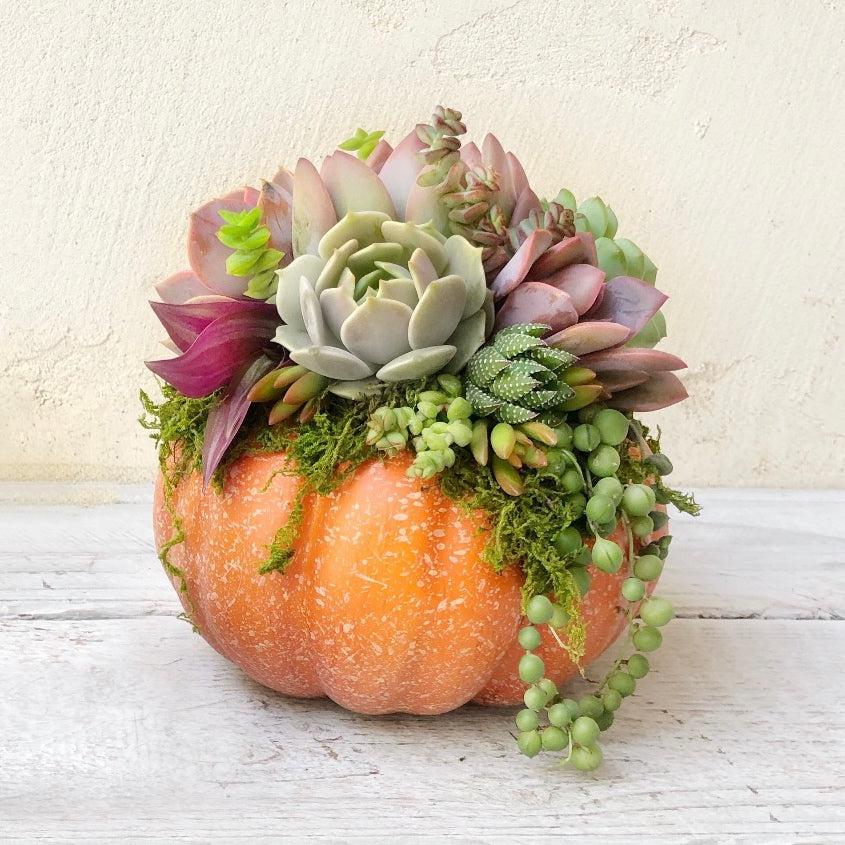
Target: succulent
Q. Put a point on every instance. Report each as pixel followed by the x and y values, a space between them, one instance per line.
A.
pixel 439 420
pixel 561 285
pixel 384 298
pixel 291 388
pixel 518 375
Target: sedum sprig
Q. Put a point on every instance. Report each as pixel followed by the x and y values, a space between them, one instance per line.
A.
pixel 362 143
pixel 248 237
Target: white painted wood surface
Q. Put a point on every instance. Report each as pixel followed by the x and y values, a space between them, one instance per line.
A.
pixel 118 725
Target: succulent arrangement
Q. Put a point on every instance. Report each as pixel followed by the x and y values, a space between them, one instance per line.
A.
pixel 420 306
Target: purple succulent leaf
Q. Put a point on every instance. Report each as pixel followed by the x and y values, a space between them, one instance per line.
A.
pixel 206 254
pixel 227 415
pixel 629 301
pixel 399 173
pixel 495 157
pixel 579 249
pixel 519 179
pixel 353 186
pixel 513 273
pixel 185 322
pixel 632 358
pixel 614 381
pixel 220 350
pixel 660 391
pixel 471 155
pixel 181 287
pixel 586 337
pixel 526 202
pixel 583 282
pixel 313 212
pixel 380 154
pixel 536 302
pixel 276 204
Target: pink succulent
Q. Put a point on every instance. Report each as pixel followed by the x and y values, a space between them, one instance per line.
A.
pixel 562 286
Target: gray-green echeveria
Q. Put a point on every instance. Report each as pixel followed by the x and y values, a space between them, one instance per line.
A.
pixel 380 300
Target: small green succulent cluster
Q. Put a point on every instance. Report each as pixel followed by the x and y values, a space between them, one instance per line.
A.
pixel 244 232
pixel 438 421
pixel 362 143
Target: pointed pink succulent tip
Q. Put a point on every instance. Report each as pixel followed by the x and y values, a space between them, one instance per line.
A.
pixel 660 391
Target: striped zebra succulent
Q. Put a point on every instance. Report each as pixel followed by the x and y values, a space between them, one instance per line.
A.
pixel 518 375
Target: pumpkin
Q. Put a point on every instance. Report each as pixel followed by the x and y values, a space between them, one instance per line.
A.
pixel 386 606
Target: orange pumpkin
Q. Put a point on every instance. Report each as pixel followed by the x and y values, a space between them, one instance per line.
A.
pixel 386 606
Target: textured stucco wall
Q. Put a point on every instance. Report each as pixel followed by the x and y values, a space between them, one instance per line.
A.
pixel 715 129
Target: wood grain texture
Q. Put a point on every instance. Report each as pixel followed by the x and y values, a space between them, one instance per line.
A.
pixel 119 725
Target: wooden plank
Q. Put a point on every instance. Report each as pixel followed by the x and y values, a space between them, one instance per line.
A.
pixel 769 554
pixel 116 731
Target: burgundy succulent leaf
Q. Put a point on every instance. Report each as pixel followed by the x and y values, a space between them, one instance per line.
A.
pixel 516 270
pixel 221 349
pixel 227 416
pixel 660 391
pixel 628 301
pixel 646 360
pixel 615 381
pixel 537 302
pixel 588 336
pixel 579 249
pixel 185 322
pixel 582 282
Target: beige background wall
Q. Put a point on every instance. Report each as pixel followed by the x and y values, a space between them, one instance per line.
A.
pixel 715 129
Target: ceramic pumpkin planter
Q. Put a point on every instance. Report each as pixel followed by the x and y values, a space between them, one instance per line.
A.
pixel 400 465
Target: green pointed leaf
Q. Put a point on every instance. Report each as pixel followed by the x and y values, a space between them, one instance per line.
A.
pixel 540 399
pixel 482 402
pixel 485 365
pixel 511 345
pixel 510 386
pixel 553 359
pixel 514 414
pixel 532 329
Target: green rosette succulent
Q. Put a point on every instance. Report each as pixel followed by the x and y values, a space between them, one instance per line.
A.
pixel 382 300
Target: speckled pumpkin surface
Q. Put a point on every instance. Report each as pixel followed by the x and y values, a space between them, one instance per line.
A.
pixel 387 605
